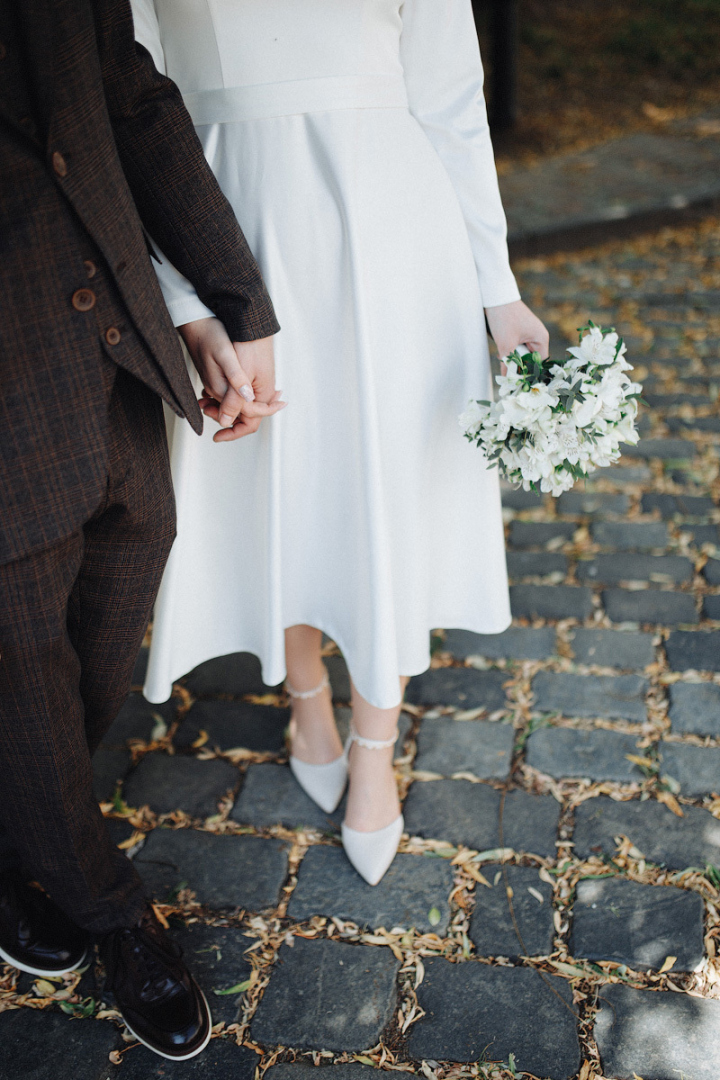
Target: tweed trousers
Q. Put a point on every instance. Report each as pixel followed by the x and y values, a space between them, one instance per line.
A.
pixel 72 619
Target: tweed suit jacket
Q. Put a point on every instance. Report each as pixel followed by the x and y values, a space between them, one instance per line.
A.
pixel 97 152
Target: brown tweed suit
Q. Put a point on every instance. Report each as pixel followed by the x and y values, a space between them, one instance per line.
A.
pixel 93 141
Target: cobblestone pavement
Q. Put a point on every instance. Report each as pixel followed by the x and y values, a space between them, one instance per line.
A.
pixel 570 765
pixel 632 177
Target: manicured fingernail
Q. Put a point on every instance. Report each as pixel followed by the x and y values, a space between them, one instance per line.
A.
pixel 246 392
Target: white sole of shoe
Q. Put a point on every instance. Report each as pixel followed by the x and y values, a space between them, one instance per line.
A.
pixel 46 973
pixel 175 1057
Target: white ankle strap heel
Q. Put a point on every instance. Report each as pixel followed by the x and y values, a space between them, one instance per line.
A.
pixel 324 784
pixel 372 744
pixel 371 853
pixel 305 695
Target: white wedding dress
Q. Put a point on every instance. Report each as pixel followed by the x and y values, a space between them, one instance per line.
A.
pixel 351 138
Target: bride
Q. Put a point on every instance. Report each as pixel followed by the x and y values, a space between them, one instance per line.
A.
pixel 351 139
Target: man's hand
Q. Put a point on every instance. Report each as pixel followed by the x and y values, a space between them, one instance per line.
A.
pixel 238 378
pixel 512 325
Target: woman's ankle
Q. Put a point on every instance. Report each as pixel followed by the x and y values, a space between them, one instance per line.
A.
pixel 314 734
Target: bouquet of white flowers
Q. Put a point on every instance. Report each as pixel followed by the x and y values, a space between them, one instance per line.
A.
pixel 554 423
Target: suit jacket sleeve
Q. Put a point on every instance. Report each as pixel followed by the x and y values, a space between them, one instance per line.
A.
pixel 176 193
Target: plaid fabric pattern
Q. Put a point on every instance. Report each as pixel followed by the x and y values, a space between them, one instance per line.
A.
pixel 72 618
pixel 89 130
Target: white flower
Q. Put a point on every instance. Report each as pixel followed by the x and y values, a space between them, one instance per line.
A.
pixel 543 434
pixel 594 349
pixel 473 418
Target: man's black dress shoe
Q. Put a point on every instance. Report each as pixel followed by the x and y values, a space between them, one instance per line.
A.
pixel 35 935
pixel 158 998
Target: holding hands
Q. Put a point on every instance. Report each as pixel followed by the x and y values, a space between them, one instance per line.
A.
pixel 238 378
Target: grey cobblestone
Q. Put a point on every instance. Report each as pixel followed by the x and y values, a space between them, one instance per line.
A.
pixel 696 768
pixel 270 795
pixel 535 564
pixel 630 535
pixel 609 696
pixel 413 886
pixel 517 499
pixel 612 648
pixel 137 720
pixel 638 925
pixel 666 449
pixel 448 746
pixel 35 1045
pixel 110 767
pixel 464 688
pixel 662 837
pixel 526 534
pixel 593 504
pixel 491 926
pixel 711 607
pixel 475 1013
pixel 704 534
pixel 225 871
pixel 166 783
pixel 325 995
pixel 519 642
pixel 624 474
pixel 297 1070
pixel 216 957
pixel 223 1060
pixel 664 1035
pixel 339 678
pixel 695 708
pixel 231 724
pixel 235 674
pixel 462 812
pixel 650 606
pixel 551 601
pixel 709 424
pixel 612 569
pixel 711 571
pixel 697 650
pixel 140 669
pixel 597 755
pixel 671 505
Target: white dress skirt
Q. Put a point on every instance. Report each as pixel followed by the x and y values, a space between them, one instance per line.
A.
pixel 351 139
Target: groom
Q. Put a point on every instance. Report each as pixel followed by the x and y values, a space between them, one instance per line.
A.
pixel 96 153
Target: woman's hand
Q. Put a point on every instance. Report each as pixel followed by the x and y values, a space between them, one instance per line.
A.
pixel 512 325
pixel 238 378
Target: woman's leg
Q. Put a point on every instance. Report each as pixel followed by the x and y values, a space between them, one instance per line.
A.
pixel 372 797
pixel 315 737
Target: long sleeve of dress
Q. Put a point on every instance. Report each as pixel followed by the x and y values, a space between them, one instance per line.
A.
pixel 180 296
pixel 444 78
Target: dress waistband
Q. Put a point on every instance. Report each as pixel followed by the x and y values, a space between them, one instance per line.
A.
pixel 263 100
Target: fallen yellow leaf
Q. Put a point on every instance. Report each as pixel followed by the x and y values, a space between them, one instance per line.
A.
pixel 671 802
pixel 643 762
pixel 667 964
pixel 201 739
pixel 160 917
pixel 131 841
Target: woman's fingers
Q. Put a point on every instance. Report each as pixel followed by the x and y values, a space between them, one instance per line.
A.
pixel 250 415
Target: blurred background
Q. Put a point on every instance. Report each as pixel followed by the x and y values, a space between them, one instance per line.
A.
pixel 587 70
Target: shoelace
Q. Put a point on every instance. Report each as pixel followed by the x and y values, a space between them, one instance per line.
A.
pixel 149 956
